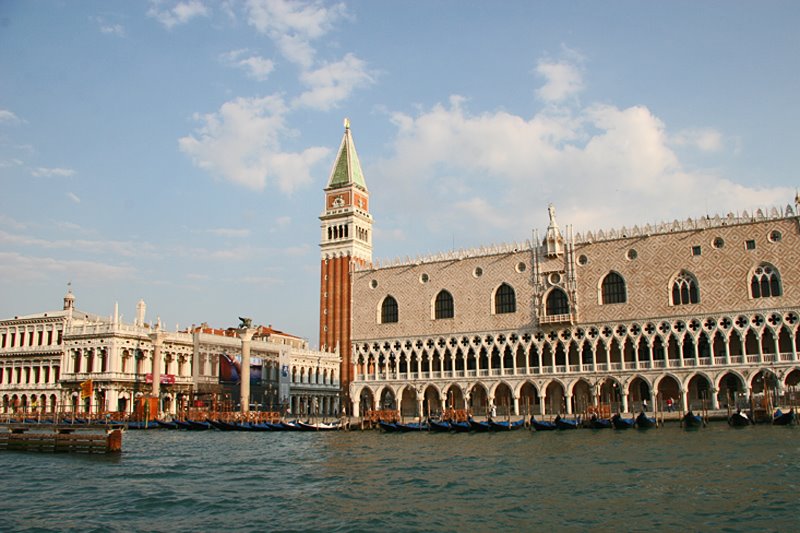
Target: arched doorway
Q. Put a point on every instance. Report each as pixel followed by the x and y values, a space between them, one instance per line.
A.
pixel 431 404
pixel 669 394
pixel 387 399
pixel 639 397
pixel 455 398
pixel 529 399
pixel 699 393
pixel 582 396
pixel 731 392
pixel 408 402
pixel 554 399
pixel 366 401
pixel 478 400
pixel 503 400
pixel 611 395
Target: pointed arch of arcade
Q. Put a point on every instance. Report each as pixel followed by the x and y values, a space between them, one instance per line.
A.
pixel 455 397
pixel 698 387
pixel 503 395
pixel 528 395
pixel 730 385
pixel 555 397
pixel 478 398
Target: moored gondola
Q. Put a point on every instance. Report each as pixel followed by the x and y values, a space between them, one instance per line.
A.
pixel 440 426
pixel 645 422
pixel 691 420
pixel 478 426
pixel 622 423
pixel 388 427
pixel 460 427
pixel 783 419
pixel 599 423
pixel 739 419
pixel 507 425
pixel 413 426
pixel 542 425
pixel 317 426
pixel 167 424
pixel 563 423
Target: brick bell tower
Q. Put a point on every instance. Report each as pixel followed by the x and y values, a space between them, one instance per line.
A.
pixel 346 242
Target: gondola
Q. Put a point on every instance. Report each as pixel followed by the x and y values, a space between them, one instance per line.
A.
pixel 783 419
pixel 413 426
pixel 507 425
pixel 645 422
pixel 137 424
pixel 167 424
pixel 388 427
pixel 198 425
pixel 460 427
pixel 290 426
pixel 217 424
pixel 563 423
pixel 622 423
pixel 440 426
pixel 691 420
pixel 739 419
pixel 318 426
pixel 599 423
pixel 478 426
pixel 542 425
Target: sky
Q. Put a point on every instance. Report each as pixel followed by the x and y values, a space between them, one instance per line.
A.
pixel 176 151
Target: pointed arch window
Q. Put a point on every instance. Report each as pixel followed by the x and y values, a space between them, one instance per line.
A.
pixel 557 303
pixel 613 289
pixel 685 289
pixel 505 300
pixel 443 306
pixel 765 282
pixel 389 311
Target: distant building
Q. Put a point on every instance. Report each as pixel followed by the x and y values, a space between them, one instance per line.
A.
pixel 702 311
pixel 44 359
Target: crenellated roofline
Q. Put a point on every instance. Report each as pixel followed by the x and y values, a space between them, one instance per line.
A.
pixel 662 228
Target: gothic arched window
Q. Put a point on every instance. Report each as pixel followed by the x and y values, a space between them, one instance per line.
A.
pixel 557 303
pixel 613 289
pixel 685 289
pixel 505 300
pixel 443 307
pixel 389 313
pixel 765 282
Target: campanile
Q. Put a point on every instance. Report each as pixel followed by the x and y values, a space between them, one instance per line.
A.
pixel 346 242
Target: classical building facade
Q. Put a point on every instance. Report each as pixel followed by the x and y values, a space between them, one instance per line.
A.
pixel 46 357
pixel 702 311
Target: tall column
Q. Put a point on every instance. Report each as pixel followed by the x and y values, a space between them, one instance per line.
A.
pixel 246 335
pixel 542 404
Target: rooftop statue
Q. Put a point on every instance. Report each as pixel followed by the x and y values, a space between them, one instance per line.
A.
pixel 245 323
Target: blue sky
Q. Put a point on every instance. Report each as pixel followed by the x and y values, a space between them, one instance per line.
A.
pixel 176 151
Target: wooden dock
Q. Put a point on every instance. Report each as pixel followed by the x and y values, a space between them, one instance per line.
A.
pixel 60 439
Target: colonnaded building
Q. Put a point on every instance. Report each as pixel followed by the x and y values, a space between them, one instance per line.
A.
pixel 702 311
pixel 45 357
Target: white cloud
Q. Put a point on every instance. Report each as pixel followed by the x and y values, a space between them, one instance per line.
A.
pixel 179 13
pixel 333 82
pixel 98 247
pixel 705 139
pixel 45 172
pixel 24 268
pixel 293 25
pixel 74 197
pixel 602 166
pixel 241 143
pixel 230 232
pixel 256 66
pixel 8 116
pixel 563 79
pixel 112 29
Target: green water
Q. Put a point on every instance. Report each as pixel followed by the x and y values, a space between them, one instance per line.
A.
pixel 665 479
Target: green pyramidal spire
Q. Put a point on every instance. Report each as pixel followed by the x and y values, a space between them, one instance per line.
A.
pixel 346 168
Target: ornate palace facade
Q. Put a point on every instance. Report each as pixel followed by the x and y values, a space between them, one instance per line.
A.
pixel 701 311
